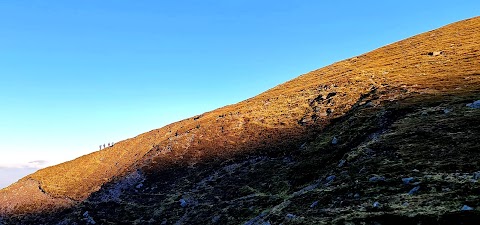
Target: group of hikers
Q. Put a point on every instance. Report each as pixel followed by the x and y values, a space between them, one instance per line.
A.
pixel 108 145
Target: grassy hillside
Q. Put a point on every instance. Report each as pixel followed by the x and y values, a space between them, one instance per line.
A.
pixel 331 145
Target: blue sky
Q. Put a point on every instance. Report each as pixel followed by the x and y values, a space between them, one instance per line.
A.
pixel 76 74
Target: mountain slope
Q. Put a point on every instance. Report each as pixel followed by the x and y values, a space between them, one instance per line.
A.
pixel 396 112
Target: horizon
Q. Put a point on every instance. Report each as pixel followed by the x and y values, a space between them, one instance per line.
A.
pixel 79 76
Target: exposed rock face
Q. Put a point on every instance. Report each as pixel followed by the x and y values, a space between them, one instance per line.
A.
pixel 363 140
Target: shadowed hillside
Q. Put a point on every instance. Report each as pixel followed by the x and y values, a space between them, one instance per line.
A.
pixel 381 137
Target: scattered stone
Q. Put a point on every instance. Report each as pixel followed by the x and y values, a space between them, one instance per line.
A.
pixel 357 196
pixel 307 188
pixel 424 113
pixel 447 111
pixel 290 216
pixel 376 205
pixel 476 175
pixel 314 204
pixel 139 186
pixel 88 218
pixel 415 170
pixel 362 170
pixel 215 219
pixel 405 204
pixel 407 180
pixel 258 220
pixel 331 94
pixel 304 121
pixel 467 208
pixel 330 178
pixel 341 163
pixel 329 111
pixel 376 179
pixel 435 53
pixel 369 104
pixel 183 203
pixel 303 147
pixel 474 105
pixel 414 190
pixel 334 141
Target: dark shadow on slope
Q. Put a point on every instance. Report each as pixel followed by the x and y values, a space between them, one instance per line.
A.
pixel 372 141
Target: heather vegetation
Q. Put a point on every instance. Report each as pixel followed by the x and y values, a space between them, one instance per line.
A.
pixel 387 136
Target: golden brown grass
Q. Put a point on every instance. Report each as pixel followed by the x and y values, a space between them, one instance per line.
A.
pixel 273 121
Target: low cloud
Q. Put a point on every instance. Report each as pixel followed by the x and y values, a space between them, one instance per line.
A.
pixel 36 164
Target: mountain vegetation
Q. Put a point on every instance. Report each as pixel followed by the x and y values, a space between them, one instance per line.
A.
pixel 387 136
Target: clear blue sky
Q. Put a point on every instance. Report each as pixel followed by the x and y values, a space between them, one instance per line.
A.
pixel 76 74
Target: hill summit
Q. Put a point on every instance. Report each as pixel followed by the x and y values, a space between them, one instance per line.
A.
pixel 387 136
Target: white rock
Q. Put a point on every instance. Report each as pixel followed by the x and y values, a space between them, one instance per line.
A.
pixel 467 208
pixel 330 178
pixel 407 180
pixel 290 216
pixel 475 104
pixel 334 141
pixel 414 190
pixel 183 203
